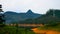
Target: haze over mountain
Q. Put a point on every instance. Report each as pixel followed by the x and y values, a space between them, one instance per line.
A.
pixel 50 17
pixel 16 17
pixel 46 18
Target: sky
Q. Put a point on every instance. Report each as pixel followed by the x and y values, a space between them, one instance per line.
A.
pixel 37 6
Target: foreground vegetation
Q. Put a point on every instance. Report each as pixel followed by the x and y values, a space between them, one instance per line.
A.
pixel 50 27
pixel 15 30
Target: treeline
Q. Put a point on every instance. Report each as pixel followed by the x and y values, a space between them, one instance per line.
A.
pixel 52 16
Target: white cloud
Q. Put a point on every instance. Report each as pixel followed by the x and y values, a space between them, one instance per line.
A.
pixel 37 6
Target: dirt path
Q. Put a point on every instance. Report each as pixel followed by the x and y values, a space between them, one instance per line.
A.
pixel 37 31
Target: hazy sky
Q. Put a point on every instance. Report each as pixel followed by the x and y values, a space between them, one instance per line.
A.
pixel 37 6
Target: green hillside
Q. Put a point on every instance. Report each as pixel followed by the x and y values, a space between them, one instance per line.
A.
pixel 48 17
pixel 45 18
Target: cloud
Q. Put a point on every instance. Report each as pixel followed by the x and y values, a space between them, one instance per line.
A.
pixel 37 6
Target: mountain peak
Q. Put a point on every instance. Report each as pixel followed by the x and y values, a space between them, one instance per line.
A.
pixel 29 11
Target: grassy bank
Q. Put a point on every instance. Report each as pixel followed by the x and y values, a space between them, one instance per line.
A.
pixel 47 27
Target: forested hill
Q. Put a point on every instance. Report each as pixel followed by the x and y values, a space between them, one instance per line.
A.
pixel 11 16
pixel 51 16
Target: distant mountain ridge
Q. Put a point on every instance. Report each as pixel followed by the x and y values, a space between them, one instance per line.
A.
pixel 52 16
pixel 49 17
pixel 16 17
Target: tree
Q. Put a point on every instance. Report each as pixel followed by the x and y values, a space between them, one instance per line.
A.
pixel 1 17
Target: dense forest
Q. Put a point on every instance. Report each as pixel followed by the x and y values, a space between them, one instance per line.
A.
pixel 48 18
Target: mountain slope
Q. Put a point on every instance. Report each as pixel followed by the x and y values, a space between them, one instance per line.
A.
pixel 49 17
pixel 16 17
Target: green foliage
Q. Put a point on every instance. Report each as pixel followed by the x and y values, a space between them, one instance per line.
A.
pixel 46 27
pixel 12 30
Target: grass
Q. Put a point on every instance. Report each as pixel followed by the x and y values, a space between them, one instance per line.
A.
pixel 13 30
pixel 46 27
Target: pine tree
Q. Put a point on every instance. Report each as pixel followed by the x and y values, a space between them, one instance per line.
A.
pixel 1 17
